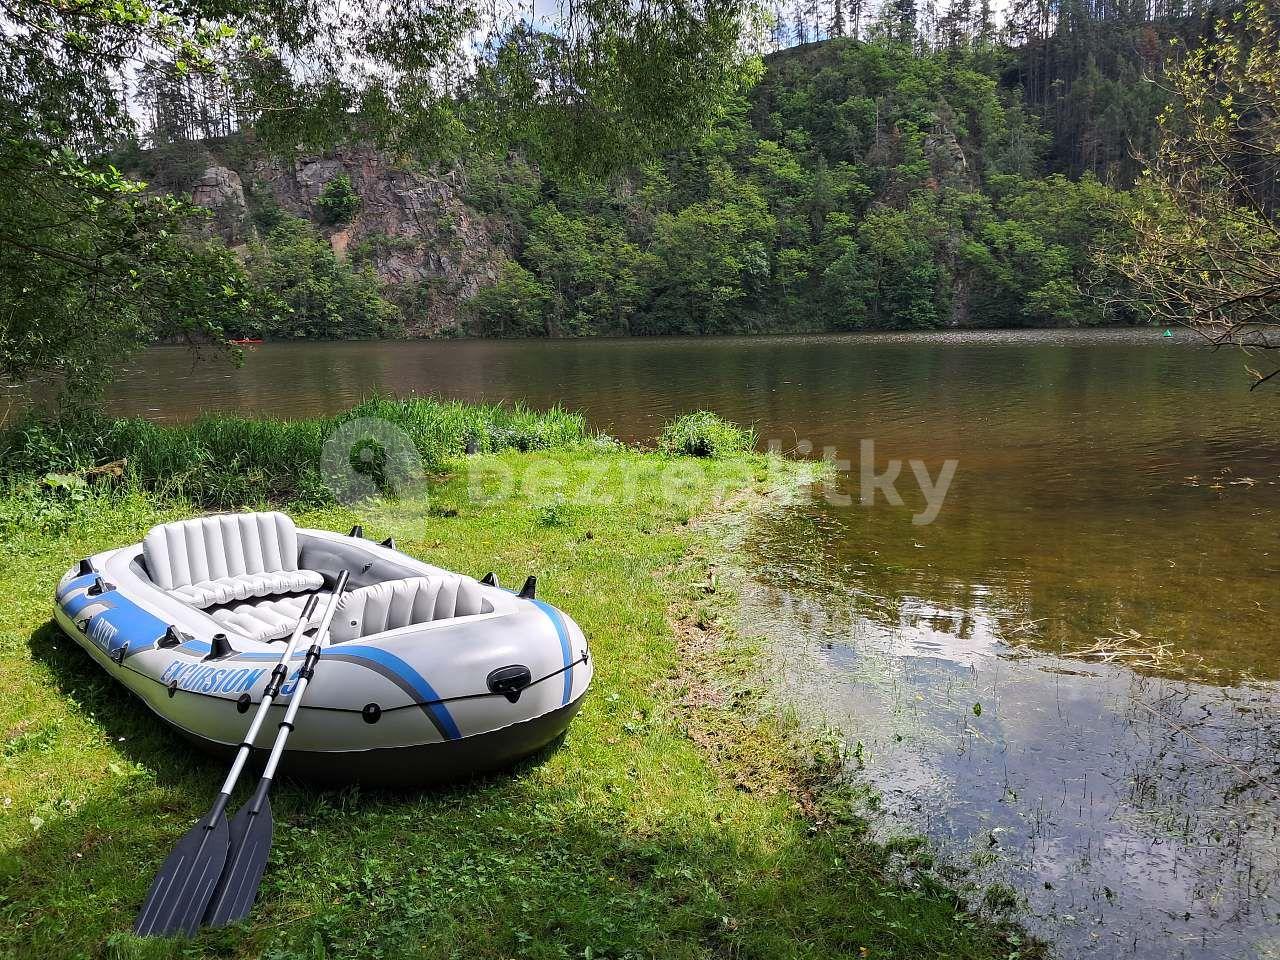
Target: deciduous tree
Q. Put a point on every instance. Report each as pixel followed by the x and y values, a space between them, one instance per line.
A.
pixel 590 84
pixel 1207 220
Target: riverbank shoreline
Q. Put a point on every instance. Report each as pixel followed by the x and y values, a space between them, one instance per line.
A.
pixel 677 819
pixel 867 333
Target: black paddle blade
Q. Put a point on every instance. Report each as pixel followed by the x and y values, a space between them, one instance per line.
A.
pixel 250 846
pixel 180 893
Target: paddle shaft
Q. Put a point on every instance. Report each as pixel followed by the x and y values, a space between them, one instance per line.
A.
pixel 295 698
pixel 278 676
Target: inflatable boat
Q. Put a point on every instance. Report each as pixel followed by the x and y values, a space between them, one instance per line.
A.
pixel 425 675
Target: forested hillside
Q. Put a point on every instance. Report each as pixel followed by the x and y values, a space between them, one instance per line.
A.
pixel 863 185
pixel 939 170
pixel 943 169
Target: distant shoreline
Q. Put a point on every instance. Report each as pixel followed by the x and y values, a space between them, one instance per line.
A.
pixel 958 334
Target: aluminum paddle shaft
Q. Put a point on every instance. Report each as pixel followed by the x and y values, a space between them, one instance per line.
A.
pixel 278 676
pixel 253 827
pixel 304 678
pixel 180 893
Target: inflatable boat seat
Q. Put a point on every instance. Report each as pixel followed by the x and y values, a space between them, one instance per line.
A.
pixel 401 603
pixel 212 561
pixel 268 619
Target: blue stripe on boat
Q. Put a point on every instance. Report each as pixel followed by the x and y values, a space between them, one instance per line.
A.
pixel 563 635
pixel 76 583
pixel 387 663
pixel 121 622
pixel 127 618
pixel 403 671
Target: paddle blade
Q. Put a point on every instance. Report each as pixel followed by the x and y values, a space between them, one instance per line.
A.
pixel 250 847
pixel 180 893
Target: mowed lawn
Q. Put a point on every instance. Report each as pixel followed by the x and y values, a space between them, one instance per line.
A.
pixel 647 832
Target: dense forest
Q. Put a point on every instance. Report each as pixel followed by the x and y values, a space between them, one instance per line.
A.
pixel 863 185
pixel 898 168
pixel 939 170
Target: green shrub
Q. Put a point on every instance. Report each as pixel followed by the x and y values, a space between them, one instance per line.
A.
pixel 555 513
pixel 176 166
pixel 703 434
pixel 56 505
pixel 264 208
pixel 374 247
pixel 338 201
pixel 514 305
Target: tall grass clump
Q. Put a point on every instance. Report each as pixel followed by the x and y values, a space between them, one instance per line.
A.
pixel 229 461
pixel 703 434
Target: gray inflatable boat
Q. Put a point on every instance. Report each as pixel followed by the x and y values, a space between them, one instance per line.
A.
pixel 427 675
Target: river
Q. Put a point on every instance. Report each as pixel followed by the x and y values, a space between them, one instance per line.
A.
pixel 1067 679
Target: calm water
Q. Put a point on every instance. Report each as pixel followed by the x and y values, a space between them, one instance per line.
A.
pixel 1067 679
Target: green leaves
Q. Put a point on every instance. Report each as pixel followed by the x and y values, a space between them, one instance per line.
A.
pixel 92 266
pixel 703 434
pixel 313 293
pixel 517 304
pixel 1204 217
pixel 338 201
pixel 866 190
pixel 95 267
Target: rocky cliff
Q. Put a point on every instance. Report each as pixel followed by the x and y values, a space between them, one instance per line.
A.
pixel 413 226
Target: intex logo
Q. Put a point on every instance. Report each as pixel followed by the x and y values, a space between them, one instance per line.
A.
pixel 102 632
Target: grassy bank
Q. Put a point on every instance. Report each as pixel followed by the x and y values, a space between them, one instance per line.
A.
pixel 226 461
pixel 675 821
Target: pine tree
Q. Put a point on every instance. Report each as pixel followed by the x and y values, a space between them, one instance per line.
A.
pixel 956 25
pixel 779 33
pixel 837 19
pixel 855 18
pixel 984 29
pixel 801 24
pixel 900 20
pixel 927 24
pixel 813 13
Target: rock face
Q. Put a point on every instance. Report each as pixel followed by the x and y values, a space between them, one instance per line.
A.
pixel 947 161
pixel 218 187
pixel 221 190
pixel 413 227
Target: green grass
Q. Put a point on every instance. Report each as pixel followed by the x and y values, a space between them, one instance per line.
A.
pixel 703 434
pixel 225 461
pixel 677 820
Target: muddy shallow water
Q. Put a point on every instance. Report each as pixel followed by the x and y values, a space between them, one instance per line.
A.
pixel 1067 679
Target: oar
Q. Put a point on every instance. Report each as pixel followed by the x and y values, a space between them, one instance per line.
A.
pixel 181 890
pixel 252 827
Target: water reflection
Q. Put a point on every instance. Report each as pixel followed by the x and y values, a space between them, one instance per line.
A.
pixel 1116 480
pixel 1135 814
